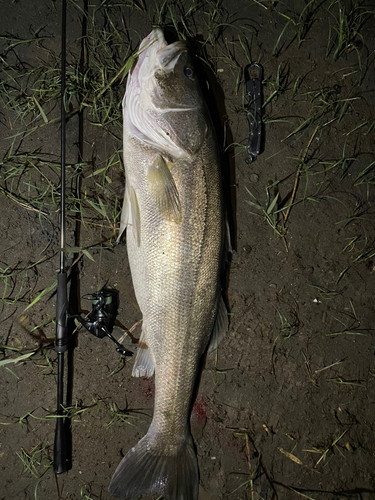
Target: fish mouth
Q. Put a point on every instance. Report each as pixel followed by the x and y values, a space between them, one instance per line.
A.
pixel 168 54
pixel 155 48
pixel 154 54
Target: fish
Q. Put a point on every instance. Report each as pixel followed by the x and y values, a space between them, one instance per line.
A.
pixel 173 216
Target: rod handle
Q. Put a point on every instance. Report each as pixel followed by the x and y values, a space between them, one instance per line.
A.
pixel 61 314
pixel 59 451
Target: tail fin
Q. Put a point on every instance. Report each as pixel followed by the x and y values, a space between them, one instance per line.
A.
pixel 145 470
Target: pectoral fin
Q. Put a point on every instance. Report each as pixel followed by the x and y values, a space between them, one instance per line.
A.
pixel 135 216
pixel 163 189
pixel 130 214
pixel 124 214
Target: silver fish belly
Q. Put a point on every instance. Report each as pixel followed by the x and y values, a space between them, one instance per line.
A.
pixel 174 219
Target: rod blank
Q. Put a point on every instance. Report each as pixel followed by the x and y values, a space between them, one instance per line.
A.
pixel 62 333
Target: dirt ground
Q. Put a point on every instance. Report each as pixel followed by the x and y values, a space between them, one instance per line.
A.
pixel 285 408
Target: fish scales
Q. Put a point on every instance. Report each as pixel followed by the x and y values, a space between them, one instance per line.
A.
pixel 174 215
pixel 178 276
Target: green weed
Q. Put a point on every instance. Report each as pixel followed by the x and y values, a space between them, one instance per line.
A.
pixel 342 381
pixel 324 293
pixel 269 212
pixel 36 462
pixel 118 415
pixel 326 106
pixel 254 466
pixel 346 21
pixel 286 329
pixel 347 328
pixel 300 22
pixel 278 86
pixel 366 178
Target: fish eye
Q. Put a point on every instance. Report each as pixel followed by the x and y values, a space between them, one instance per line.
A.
pixel 189 72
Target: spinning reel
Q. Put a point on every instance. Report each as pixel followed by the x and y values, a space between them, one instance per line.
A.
pixel 100 321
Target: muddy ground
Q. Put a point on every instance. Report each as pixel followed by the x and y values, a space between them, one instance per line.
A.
pixel 285 409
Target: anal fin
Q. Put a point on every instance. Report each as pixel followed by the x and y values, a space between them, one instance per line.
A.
pixel 220 327
pixel 143 364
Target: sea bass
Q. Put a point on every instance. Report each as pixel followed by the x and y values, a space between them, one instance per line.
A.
pixel 173 212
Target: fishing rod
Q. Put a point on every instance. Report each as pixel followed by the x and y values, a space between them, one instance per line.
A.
pixel 62 333
pixel 99 322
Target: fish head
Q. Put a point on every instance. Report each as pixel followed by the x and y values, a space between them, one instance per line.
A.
pixel 164 101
